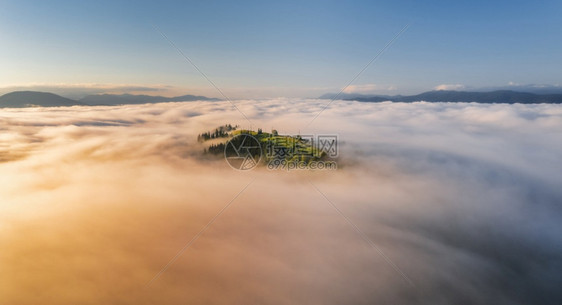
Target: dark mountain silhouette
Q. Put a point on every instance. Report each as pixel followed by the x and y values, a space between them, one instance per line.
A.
pixel 531 88
pixel 22 99
pixel 122 99
pixel 492 97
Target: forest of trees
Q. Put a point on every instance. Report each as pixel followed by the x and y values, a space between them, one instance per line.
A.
pixel 219 132
pixel 215 149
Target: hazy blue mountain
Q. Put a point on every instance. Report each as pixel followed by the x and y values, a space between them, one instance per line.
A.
pixel 531 88
pixel 22 99
pixel 498 96
pixel 122 99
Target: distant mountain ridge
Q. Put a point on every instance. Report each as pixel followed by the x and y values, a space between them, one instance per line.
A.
pixel 124 99
pixel 492 97
pixel 24 99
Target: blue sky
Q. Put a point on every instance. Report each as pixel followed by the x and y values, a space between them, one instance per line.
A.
pixel 266 49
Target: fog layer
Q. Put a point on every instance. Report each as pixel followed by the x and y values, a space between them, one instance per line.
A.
pixel 465 199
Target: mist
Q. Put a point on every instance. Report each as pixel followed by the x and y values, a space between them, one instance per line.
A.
pixel 463 198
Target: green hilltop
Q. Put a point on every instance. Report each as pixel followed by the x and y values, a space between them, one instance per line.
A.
pixel 273 145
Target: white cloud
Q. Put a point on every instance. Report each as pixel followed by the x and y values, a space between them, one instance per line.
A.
pixel 449 87
pixel 369 88
pixel 96 200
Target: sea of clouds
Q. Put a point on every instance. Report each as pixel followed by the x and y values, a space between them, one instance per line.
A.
pixel 462 203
